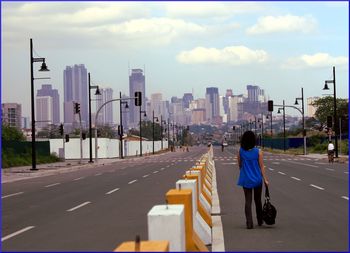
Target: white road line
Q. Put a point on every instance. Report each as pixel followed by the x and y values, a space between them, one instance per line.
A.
pixel 17 233
pixel 317 187
pixel 275 163
pixel 271 169
pixel 145 175
pixel 98 174
pixel 168 166
pixel 81 205
pixel 50 185
pixel 346 172
pixel 79 178
pixel 314 166
pixel 162 168
pixel 156 171
pixel 13 194
pixel 329 169
pixel 344 197
pixel 133 181
pixel 114 190
pixel 281 173
pixel 295 178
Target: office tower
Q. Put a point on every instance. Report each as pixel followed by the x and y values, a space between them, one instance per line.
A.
pixel 136 83
pixel 75 90
pixel 44 111
pixel 253 93
pixel 46 90
pixel 186 99
pixel 311 109
pixel 234 106
pixel 212 104
pixel 226 100
pixel 12 114
pixel 105 116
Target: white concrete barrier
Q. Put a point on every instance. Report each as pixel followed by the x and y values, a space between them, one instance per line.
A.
pixel 167 222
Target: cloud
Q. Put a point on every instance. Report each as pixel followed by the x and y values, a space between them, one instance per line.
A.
pixel 288 23
pixel 318 60
pixel 210 9
pixel 234 55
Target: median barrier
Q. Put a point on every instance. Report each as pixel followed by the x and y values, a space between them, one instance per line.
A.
pixel 143 246
pixel 167 222
pixel 199 225
pixel 184 196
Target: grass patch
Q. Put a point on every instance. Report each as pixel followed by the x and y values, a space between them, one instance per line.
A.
pixel 9 159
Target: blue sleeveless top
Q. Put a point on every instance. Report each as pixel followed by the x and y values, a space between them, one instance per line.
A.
pixel 250 173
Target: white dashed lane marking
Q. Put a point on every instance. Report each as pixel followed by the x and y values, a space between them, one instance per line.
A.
pixel 281 173
pixel 98 174
pixel 114 190
pixel 304 164
pixel 50 185
pixel 295 178
pixel 317 187
pixel 16 233
pixel 79 206
pixel 156 171
pixel 133 181
pixel 79 178
pixel 344 197
pixel 10 195
pixel 145 175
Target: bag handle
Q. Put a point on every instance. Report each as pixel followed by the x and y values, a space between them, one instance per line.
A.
pixel 267 193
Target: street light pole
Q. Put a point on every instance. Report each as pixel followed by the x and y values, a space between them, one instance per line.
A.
pixel 43 68
pixel 153 130
pixel 90 122
pixel 161 131
pixel 335 110
pixel 303 116
pixel 141 129
pixel 284 128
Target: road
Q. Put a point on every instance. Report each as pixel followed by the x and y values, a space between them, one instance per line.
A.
pixel 92 209
pixel 95 209
pixel 311 197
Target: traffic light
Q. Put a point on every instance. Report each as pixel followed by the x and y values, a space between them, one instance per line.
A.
pixel 83 135
pixel 138 98
pixel 233 128
pixel 120 130
pixel 67 137
pixel 329 121
pixel 270 105
pixel 76 108
pixel 61 129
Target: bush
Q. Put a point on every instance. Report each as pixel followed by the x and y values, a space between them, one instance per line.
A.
pixel 11 160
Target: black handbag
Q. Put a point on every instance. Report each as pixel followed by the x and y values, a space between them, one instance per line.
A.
pixel 269 212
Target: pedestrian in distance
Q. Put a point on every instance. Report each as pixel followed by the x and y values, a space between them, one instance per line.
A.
pixel 252 175
pixel 330 152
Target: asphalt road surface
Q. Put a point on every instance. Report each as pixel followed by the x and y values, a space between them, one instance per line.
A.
pixel 92 209
pixel 311 197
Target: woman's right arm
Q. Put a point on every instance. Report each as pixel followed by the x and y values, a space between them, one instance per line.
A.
pixel 262 167
pixel 239 160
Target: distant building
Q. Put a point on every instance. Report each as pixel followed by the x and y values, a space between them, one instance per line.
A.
pixel 198 116
pixel 311 110
pixel 226 100
pixel 136 83
pixel 12 114
pixel 76 90
pixel 186 99
pixel 105 116
pixel 46 90
pixel 158 106
pixel 44 111
pixel 234 103
pixel 212 103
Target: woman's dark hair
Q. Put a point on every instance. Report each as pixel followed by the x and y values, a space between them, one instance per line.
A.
pixel 248 140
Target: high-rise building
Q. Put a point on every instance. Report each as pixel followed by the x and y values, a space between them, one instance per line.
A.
pixel 212 103
pixel 136 83
pixel 186 99
pixel 105 116
pixel 311 109
pixel 75 90
pixel 46 90
pixel 44 111
pixel 159 106
pixel 226 100
pixel 12 114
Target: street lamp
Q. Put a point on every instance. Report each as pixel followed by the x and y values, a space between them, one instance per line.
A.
pixel 144 114
pixel 43 68
pixel 90 123
pixel 284 125
pixel 121 132
pixel 153 130
pixel 303 114
pixel 335 110
pixel 161 129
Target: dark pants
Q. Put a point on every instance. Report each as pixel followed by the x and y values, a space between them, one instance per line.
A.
pixel 248 194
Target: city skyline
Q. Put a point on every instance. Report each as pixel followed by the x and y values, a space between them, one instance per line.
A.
pixel 278 46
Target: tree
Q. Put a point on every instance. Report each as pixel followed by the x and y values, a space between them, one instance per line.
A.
pixel 325 107
pixel 11 134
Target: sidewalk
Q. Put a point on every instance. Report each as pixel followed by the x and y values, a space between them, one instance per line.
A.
pixel 13 174
pixel 340 159
pixel 21 173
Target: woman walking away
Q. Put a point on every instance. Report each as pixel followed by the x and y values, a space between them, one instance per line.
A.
pixel 252 172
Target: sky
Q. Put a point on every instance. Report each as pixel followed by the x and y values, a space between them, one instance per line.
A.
pixel 183 46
